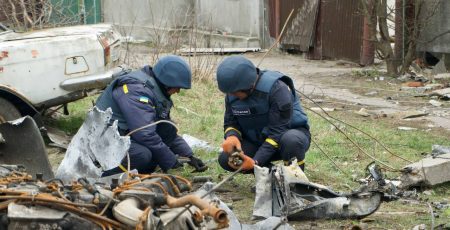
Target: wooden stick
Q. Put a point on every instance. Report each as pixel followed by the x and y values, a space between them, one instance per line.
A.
pixel 278 39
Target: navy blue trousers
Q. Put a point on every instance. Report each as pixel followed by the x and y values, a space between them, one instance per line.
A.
pixel 293 144
pixel 141 156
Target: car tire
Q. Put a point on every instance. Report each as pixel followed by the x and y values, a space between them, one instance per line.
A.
pixel 8 111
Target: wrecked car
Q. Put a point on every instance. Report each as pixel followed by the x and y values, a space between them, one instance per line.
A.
pixel 50 67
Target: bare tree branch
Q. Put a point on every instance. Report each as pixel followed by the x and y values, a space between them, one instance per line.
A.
pixel 14 13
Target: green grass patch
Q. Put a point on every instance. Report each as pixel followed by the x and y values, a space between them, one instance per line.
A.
pixel 77 113
pixel 366 73
pixel 352 159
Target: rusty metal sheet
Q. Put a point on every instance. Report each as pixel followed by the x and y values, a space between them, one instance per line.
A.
pixel 342 35
pixel 300 30
pixel 339 34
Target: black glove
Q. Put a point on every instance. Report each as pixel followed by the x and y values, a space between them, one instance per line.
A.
pixel 197 164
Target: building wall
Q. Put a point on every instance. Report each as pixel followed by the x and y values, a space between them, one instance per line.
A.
pixel 237 17
pixel 229 20
pixel 435 37
pixel 147 13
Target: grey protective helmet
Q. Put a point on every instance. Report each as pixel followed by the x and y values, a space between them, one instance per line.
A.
pixel 236 73
pixel 173 71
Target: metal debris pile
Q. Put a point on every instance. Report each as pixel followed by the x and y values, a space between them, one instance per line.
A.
pixel 155 201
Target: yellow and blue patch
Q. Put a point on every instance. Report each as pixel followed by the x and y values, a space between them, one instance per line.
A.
pixel 143 99
pixel 125 88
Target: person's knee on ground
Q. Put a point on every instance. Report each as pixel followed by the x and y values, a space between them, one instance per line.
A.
pixel 294 144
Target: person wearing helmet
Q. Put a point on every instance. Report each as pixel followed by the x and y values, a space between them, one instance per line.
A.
pixel 142 97
pixel 263 120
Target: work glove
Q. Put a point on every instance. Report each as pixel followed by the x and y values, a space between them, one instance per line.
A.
pixel 231 144
pixel 237 160
pixel 198 164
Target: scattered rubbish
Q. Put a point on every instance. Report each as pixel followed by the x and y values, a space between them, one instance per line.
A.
pixel 435 86
pixel 201 179
pixel 57 137
pixel 193 51
pixel 437 150
pixel 429 171
pixel 318 109
pixel 412 77
pixel 442 76
pixel 441 205
pixel 412 114
pixel 417 90
pixel 371 93
pixel 440 67
pixel 415 84
pixel 435 103
pixel 194 142
pixel 404 128
pixel 148 202
pixel 441 93
pixel 294 197
pixel 420 227
pixel 363 112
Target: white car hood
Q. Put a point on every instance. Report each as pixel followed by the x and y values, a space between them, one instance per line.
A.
pixel 56 32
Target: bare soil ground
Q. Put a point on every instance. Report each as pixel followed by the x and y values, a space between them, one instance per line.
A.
pixel 336 85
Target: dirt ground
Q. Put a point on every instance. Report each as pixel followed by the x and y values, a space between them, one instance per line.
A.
pixel 334 85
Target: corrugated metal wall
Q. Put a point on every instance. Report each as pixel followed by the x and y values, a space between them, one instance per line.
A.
pixel 300 30
pixel 341 29
pixel 337 32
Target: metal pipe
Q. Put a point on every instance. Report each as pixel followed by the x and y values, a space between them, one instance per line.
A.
pixel 219 215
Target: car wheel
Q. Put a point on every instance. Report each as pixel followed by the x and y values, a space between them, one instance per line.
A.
pixel 8 111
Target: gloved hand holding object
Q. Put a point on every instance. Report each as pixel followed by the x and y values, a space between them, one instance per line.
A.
pixel 238 159
pixel 231 144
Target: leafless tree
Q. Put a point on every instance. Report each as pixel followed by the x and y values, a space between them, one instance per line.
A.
pixel 377 13
pixel 24 15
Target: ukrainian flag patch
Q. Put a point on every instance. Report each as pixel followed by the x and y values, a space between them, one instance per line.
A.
pixel 143 99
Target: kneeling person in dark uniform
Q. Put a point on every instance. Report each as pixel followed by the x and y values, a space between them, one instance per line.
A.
pixel 264 120
pixel 140 98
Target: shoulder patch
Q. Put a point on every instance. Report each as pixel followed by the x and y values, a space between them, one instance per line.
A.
pixel 143 99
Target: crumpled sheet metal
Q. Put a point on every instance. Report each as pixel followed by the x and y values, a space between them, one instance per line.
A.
pixel 295 198
pixel 308 200
pixel 96 147
pixel 262 208
pixel 23 145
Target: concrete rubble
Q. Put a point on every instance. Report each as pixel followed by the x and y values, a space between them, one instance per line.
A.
pixel 430 171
